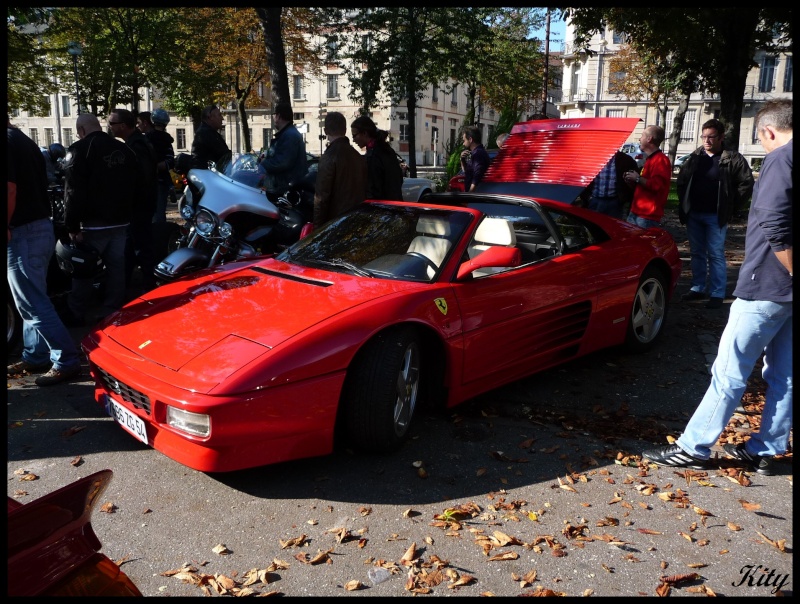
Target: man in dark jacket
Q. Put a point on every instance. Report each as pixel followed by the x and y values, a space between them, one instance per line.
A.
pixel 384 174
pixel 285 161
pixel 342 174
pixel 101 189
pixel 208 144
pixel 162 143
pixel 713 184
pixel 140 249
pixel 474 159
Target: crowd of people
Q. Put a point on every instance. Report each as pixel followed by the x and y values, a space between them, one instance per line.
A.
pixel 129 163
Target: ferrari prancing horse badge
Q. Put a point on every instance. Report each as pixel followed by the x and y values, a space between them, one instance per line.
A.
pixel 441 304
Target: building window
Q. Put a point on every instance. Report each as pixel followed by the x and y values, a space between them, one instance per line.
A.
pixel 788 76
pixel 614 113
pixel 766 79
pixel 618 38
pixel 48 137
pixel 67 136
pixel 298 117
pixel 333 86
pixel 688 128
pixel 755 138
pixel 297 82
pixel 66 107
pixel 404 130
pixel 402 115
pixel 15 112
pixel 46 112
pixel 435 94
pixel 366 43
pixel 34 134
pixel 330 49
pixel 266 137
pixel 180 133
pixel 452 138
pixel 454 96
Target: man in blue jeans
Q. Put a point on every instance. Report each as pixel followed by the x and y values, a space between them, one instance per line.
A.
pixel 760 320
pixel 47 345
pixel 713 183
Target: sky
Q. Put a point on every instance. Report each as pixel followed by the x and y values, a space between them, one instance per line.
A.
pixel 557 30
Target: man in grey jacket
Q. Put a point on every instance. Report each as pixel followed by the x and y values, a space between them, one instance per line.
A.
pixel 712 184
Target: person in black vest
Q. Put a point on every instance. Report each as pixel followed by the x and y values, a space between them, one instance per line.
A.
pixel 102 186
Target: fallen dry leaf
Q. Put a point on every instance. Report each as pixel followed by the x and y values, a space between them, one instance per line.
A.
pixel 780 543
pixel 108 507
pixel 410 555
pixel 504 556
pixel 221 549
pixel 353 585
pixel 645 531
pixel 682 578
pixel 750 507
pixel 293 542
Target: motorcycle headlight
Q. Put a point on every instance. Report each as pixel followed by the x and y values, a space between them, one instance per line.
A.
pixel 187 212
pixel 204 222
pixel 225 230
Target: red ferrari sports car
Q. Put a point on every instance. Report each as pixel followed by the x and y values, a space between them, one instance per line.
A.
pixel 342 336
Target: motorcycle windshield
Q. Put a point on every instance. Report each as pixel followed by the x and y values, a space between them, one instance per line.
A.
pixel 246 169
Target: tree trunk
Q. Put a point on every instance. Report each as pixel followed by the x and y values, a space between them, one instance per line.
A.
pixel 276 54
pixel 737 35
pixel 677 126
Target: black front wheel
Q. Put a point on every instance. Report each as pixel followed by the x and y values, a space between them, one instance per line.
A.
pixel 382 390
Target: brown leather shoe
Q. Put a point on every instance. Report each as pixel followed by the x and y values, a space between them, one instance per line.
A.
pixel 56 376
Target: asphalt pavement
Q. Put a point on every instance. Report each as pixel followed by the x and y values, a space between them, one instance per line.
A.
pixel 536 488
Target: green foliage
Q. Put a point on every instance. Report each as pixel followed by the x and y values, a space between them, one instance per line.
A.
pixel 454 163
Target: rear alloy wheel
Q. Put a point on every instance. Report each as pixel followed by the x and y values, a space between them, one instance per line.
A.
pixel 382 390
pixel 648 312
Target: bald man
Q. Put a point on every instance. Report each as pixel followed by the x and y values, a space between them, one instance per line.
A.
pixel 100 190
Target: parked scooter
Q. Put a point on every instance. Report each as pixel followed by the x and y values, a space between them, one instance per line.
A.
pixel 230 217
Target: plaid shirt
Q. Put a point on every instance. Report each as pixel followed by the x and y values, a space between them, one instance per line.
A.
pixel 605 183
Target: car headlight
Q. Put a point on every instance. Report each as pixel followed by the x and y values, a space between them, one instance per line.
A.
pixel 187 212
pixel 198 424
pixel 204 222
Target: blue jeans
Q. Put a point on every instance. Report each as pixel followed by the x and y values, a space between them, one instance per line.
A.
pixel 606 205
pixel 110 243
pixel 44 337
pixel 645 223
pixel 707 247
pixel 754 328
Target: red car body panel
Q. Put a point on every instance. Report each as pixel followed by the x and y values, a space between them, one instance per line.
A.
pixel 263 347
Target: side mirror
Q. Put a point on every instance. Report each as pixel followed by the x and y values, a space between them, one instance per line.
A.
pixel 493 256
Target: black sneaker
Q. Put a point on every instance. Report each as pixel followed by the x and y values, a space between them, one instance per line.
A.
pixel 674 457
pixel 714 303
pixel 762 464
pixel 692 295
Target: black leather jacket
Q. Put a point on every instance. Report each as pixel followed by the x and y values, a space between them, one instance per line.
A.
pixel 736 184
pixel 102 182
pixel 208 145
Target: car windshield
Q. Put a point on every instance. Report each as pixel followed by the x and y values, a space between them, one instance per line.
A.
pixel 409 243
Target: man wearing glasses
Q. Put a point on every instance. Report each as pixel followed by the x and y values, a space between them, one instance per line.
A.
pixel 713 183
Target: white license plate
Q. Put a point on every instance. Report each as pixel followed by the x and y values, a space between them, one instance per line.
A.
pixel 126 419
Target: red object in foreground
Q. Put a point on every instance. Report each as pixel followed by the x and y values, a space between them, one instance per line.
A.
pixel 343 336
pixel 53 550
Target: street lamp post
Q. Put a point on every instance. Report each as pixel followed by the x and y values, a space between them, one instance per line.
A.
pixel 75 49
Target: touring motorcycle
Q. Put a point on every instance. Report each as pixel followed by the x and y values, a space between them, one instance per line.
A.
pixel 229 216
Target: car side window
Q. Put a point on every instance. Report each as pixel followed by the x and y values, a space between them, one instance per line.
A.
pixel 574 232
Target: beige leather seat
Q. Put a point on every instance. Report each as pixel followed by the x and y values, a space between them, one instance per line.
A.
pixel 430 241
pixel 492 231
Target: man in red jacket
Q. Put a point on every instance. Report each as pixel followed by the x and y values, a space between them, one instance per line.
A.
pixel 652 185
